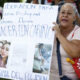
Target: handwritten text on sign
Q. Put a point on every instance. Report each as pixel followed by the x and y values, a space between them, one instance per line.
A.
pixel 31 25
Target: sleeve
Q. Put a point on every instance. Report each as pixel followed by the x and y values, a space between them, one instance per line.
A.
pixel 77 34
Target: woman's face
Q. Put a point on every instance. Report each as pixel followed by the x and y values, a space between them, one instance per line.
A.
pixel 66 16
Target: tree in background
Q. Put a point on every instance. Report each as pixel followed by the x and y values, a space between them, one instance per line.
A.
pixel 4 1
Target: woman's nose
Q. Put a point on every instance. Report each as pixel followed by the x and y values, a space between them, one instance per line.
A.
pixel 65 14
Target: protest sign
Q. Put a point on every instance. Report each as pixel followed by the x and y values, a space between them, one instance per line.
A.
pixel 26 38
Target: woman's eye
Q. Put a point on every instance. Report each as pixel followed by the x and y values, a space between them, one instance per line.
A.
pixel 62 12
pixel 69 13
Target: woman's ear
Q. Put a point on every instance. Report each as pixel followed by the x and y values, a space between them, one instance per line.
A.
pixel 74 19
pixel 77 18
pixel 74 22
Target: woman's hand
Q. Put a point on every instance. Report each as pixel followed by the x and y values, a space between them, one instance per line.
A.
pixel 56 29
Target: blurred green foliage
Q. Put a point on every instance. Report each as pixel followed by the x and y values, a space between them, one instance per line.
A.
pixel 4 79
pixel 4 1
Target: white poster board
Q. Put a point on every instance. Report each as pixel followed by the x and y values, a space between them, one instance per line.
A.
pixel 26 38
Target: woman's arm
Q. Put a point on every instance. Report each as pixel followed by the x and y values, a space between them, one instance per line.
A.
pixel 71 47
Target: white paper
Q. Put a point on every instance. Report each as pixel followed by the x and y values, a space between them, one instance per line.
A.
pixel 28 29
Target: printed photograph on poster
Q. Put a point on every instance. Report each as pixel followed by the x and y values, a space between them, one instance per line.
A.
pixel 42 57
pixel 4 50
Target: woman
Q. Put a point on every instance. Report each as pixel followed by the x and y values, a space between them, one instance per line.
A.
pixel 76 5
pixel 68 35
